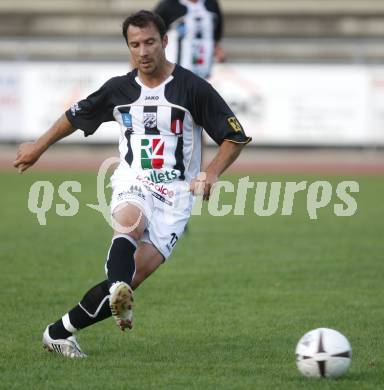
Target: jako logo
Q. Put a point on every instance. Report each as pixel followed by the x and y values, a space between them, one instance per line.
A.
pixel 151 98
pixel 152 153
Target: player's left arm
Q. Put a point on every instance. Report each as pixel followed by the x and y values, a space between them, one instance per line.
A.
pixel 218 32
pixel 212 113
pixel 225 156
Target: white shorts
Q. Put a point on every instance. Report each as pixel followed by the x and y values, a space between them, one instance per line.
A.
pixel 167 207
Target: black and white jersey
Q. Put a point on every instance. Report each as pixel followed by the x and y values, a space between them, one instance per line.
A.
pixel 193 29
pixel 160 127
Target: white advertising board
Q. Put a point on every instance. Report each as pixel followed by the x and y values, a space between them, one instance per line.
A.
pixel 10 102
pixel 376 119
pixel 295 104
pixel 277 104
pixel 48 89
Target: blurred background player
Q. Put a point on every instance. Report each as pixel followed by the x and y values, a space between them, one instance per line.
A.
pixel 194 32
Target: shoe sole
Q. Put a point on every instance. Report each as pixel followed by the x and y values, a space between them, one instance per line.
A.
pixel 47 348
pixel 122 302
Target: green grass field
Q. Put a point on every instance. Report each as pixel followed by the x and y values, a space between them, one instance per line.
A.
pixel 225 312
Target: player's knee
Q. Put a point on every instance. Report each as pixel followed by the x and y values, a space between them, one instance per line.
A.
pixel 133 230
pixel 129 220
pixel 133 236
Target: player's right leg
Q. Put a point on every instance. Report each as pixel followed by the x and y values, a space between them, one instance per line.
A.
pixel 111 296
pixel 94 306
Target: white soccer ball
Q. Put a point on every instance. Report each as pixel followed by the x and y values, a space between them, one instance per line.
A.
pixel 323 352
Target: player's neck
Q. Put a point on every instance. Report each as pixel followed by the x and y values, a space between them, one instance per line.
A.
pixel 157 78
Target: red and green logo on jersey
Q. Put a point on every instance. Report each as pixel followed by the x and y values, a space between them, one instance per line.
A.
pixel 152 153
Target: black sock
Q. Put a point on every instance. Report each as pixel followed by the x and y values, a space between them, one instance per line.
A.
pixel 120 262
pixel 94 307
pixel 57 330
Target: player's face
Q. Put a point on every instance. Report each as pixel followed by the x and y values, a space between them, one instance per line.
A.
pixel 147 48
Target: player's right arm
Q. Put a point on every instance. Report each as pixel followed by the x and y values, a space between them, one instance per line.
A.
pixel 29 152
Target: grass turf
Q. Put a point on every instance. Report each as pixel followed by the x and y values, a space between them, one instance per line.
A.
pixel 224 313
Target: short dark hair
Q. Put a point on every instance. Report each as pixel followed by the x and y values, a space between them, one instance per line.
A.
pixel 143 19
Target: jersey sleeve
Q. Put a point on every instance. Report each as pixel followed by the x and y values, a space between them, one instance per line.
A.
pixel 88 114
pixel 214 115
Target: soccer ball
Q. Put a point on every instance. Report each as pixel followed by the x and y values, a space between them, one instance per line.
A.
pixel 323 352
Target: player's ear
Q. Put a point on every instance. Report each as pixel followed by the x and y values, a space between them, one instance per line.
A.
pixel 165 41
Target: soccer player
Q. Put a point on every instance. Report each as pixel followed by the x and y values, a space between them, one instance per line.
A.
pixel 195 29
pixel 161 108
